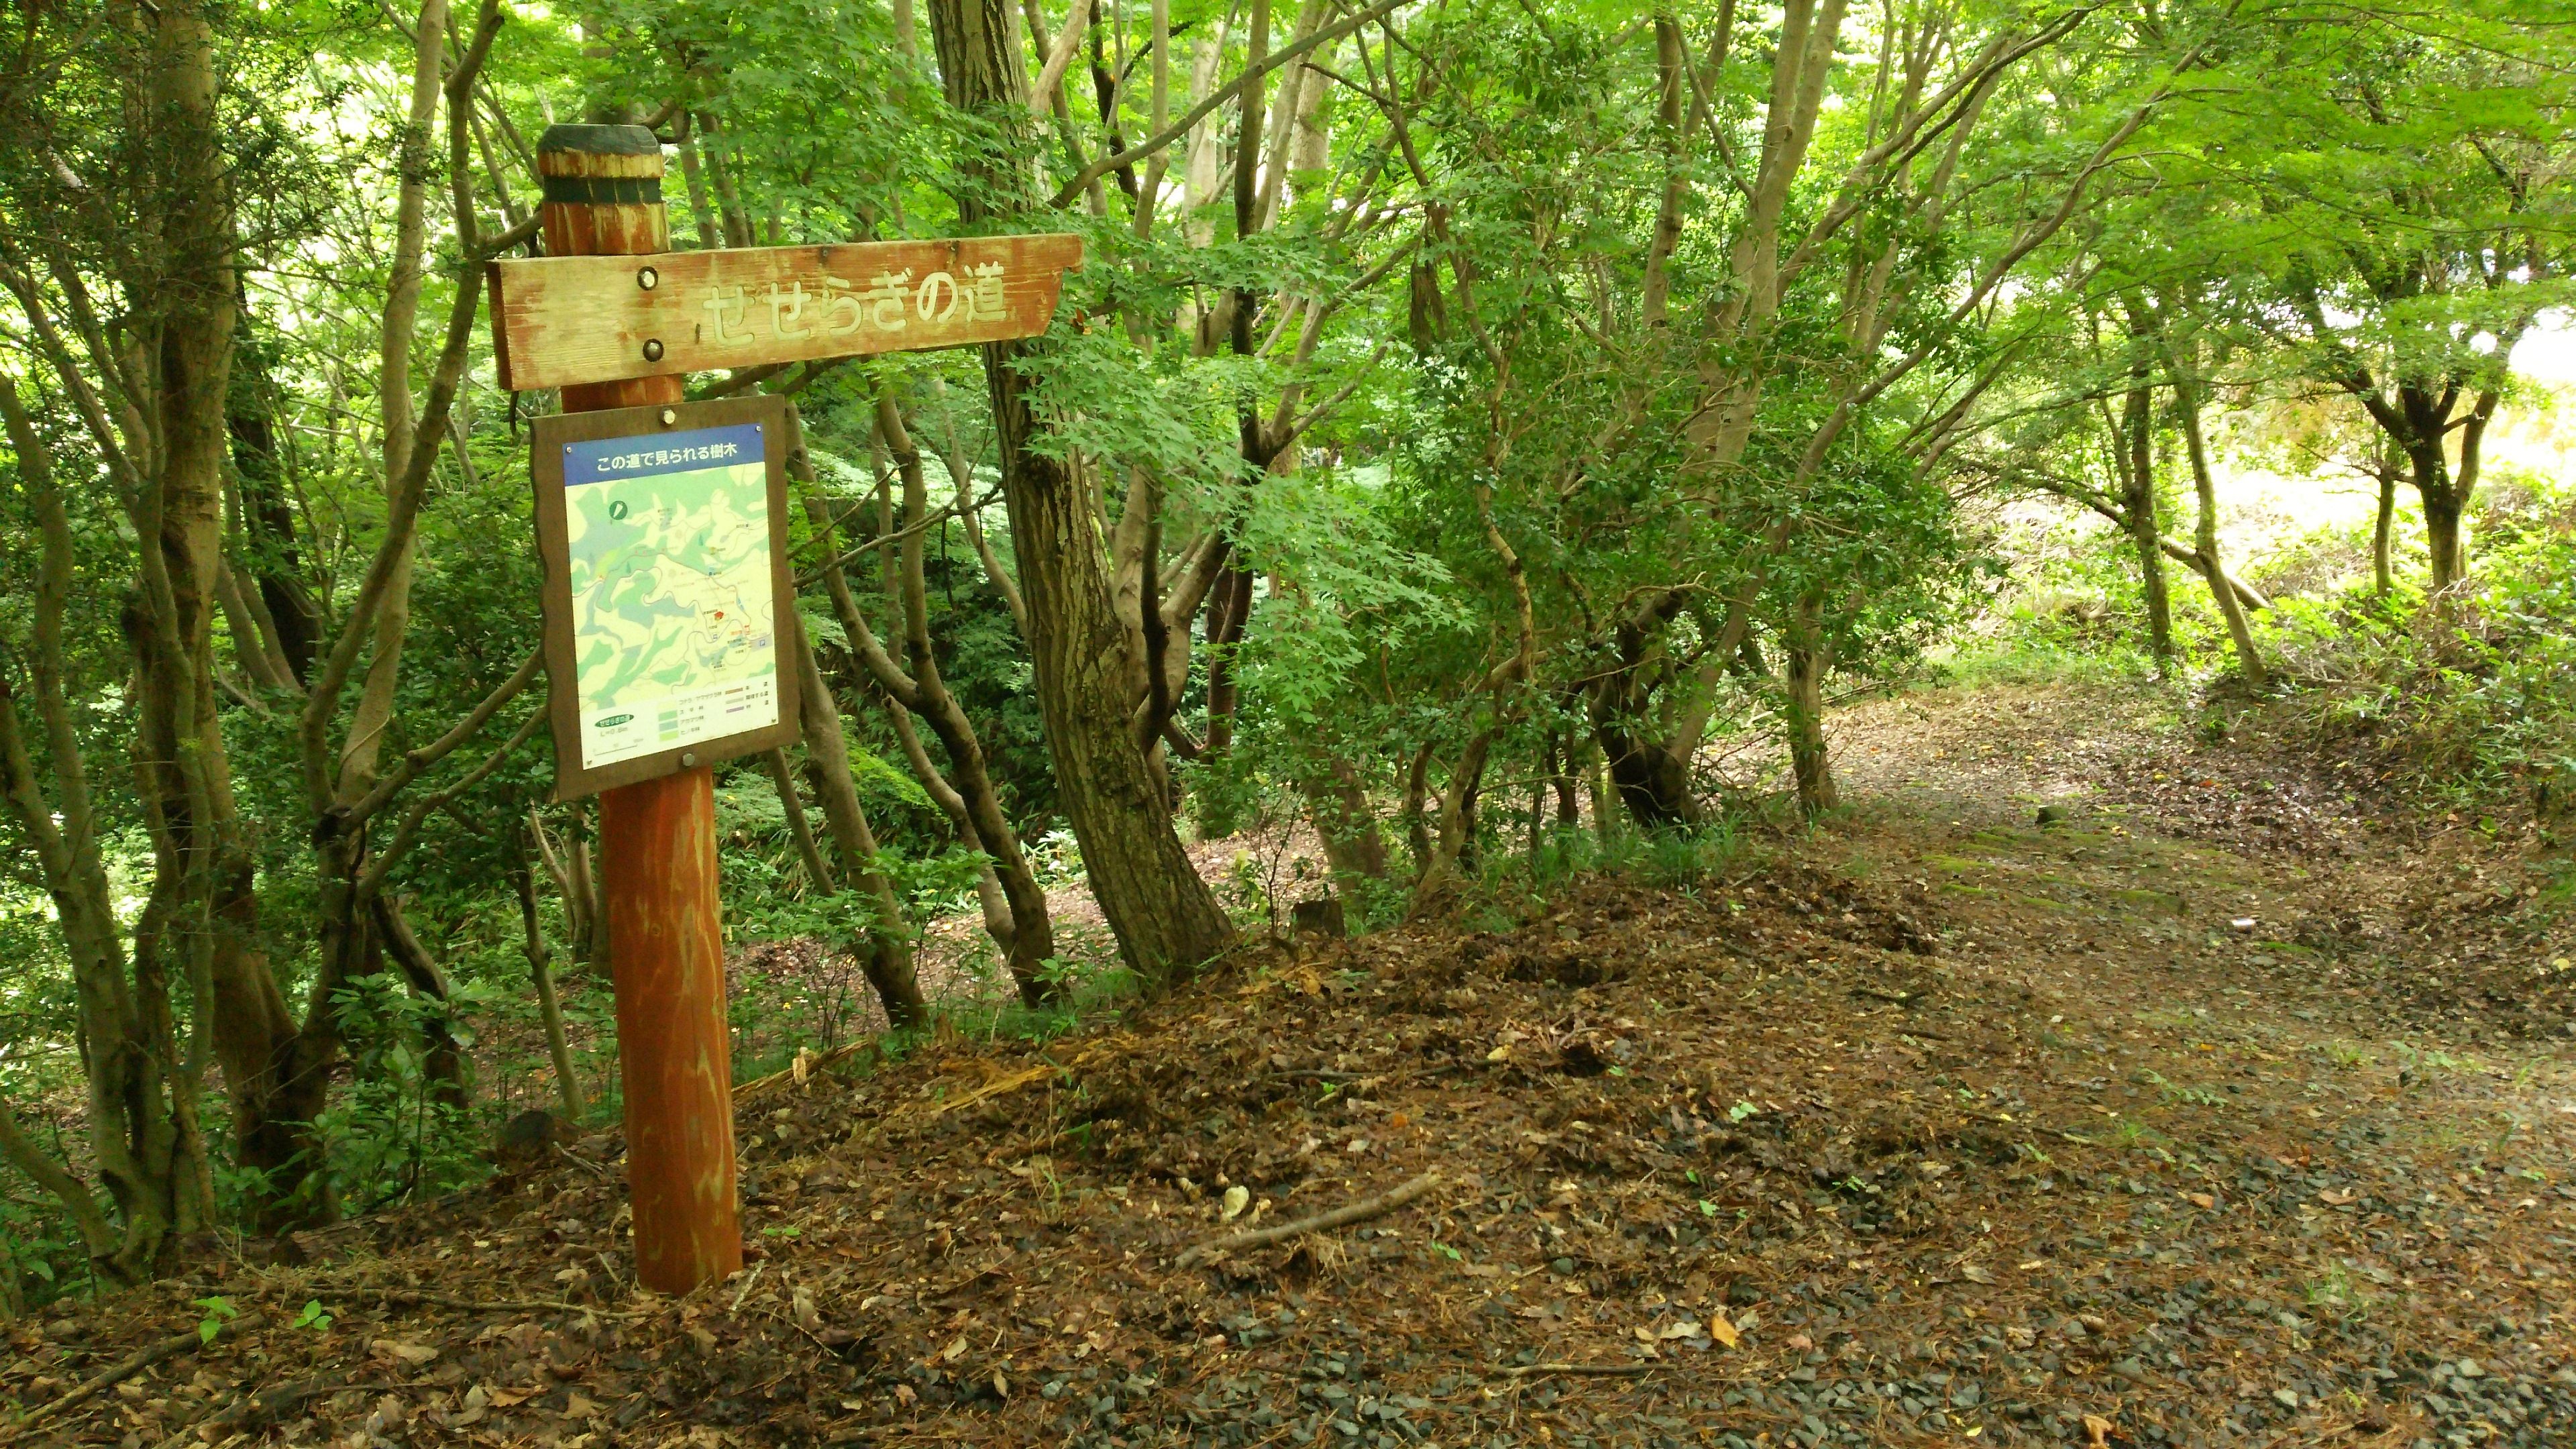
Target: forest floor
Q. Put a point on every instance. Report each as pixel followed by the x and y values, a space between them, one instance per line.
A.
pixel 2223 1111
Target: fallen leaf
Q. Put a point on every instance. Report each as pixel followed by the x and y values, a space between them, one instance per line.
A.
pixel 410 1355
pixel 955 1350
pixel 579 1407
pixel 2200 1199
pixel 1976 1274
pixel 2337 1196
pixel 2097 1431
pixel 1725 1332
pixel 1237 1198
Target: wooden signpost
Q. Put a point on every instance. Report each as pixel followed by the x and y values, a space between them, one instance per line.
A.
pixel 662 526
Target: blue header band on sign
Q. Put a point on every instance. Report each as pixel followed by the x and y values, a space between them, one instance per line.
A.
pixel 611 459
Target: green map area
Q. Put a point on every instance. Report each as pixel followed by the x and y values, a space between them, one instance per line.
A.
pixel 672 609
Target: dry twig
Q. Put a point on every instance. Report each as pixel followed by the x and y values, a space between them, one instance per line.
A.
pixel 1360 1211
pixel 132 1364
pixel 1579 1370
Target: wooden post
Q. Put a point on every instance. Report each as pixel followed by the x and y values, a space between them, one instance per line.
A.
pixel 603 196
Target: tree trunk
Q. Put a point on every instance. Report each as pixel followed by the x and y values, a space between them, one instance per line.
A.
pixel 1229 608
pixel 1460 831
pixel 1561 755
pixel 1808 659
pixel 2443 509
pixel 2382 575
pixel 1339 806
pixel 1455 854
pixel 1597 784
pixel 1649 756
pixel 1166 919
pixel 887 959
pixel 2137 448
pixel 594 911
pixel 129 1054
pixel 443 1068
pixel 1651 781
pixel 1417 828
pixel 267 511
pixel 2249 659
pixel 809 854
pixel 549 1005
pixel 1027 928
pixel 203 878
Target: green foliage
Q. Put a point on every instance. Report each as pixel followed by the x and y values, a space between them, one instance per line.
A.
pixel 2470 702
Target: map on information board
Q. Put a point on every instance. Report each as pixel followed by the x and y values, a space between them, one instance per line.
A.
pixel 673 614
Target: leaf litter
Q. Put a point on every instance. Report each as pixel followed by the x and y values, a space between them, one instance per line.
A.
pixel 1934 1127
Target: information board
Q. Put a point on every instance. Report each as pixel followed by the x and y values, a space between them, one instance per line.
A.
pixel 663 535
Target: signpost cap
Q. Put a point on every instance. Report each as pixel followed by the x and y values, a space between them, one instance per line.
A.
pixel 601 140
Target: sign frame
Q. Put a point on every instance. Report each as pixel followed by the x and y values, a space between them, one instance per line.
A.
pixel 549 437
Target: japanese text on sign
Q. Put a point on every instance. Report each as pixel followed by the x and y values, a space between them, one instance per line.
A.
pixel 838 307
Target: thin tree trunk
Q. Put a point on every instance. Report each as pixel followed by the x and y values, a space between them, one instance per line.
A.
pixel 1808 658
pixel 2443 510
pixel 1229 608
pixel 2136 446
pixel 443 1068
pixel 2382 575
pixel 594 908
pixel 2249 659
pixel 1417 828
pixel 568 866
pixel 1597 783
pixel 549 1004
pixel 1562 752
pixel 1455 854
pixel 694 180
pixel 267 513
pixel 1027 936
pixel 818 876
pixel 1339 806
pixel 888 957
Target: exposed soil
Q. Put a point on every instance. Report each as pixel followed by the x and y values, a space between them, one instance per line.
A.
pixel 2215 1112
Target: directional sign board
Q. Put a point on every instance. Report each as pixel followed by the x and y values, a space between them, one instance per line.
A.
pixel 594 319
pixel 663 536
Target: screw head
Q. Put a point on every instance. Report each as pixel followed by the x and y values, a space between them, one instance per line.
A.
pixel 653 350
pixel 648 278
pixel 688 758
pixel 670 416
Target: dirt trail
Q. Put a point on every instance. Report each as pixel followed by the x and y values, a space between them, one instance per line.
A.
pixel 2213 1113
